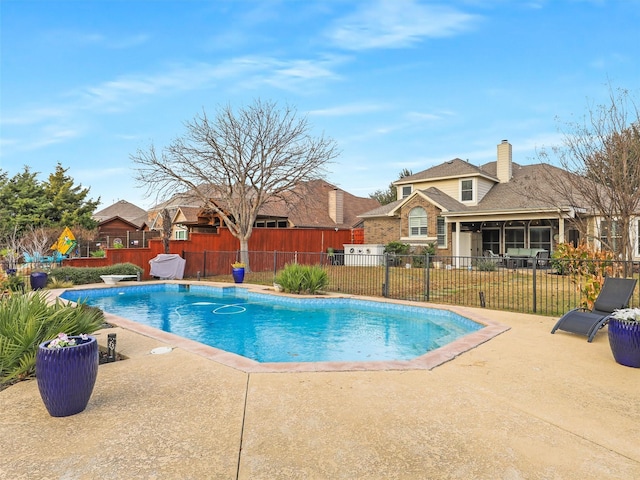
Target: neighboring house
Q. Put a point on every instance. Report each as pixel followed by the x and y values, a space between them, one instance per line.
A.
pixel 465 210
pixel 117 221
pixel 314 204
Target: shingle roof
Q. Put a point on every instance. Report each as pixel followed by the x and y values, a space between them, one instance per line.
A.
pixel 382 210
pixel 527 189
pixel 123 209
pixel 444 200
pixel 190 213
pixel 452 168
pixel 307 205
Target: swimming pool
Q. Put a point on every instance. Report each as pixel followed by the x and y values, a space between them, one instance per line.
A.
pixel 268 328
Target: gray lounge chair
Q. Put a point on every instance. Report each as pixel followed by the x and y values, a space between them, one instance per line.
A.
pixel 615 294
pixel 493 257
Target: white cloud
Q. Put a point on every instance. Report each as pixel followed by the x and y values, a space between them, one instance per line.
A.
pixel 398 24
pixel 124 92
pixel 80 39
pixel 348 109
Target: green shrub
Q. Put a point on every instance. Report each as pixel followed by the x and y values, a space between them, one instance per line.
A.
pixel 84 275
pixel 98 254
pixel 395 249
pixel 296 278
pixel 14 283
pixel 420 256
pixel 28 320
pixel 486 266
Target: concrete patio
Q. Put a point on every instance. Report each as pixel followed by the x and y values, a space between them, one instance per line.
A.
pixel 524 405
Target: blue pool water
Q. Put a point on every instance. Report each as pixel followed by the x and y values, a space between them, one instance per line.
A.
pixel 269 328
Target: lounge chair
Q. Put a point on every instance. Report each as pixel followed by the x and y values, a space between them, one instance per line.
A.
pixel 493 257
pixel 615 294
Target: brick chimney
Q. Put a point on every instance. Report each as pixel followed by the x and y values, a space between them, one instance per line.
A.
pixel 503 166
pixel 336 205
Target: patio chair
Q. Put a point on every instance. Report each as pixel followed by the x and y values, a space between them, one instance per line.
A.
pixel 494 257
pixel 615 294
pixel 541 259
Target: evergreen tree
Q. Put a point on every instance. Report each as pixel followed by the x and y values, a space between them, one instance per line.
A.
pixel 27 203
pixel 22 202
pixel 67 203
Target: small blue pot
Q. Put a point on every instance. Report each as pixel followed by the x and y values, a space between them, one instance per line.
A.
pixel 238 274
pixel 66 376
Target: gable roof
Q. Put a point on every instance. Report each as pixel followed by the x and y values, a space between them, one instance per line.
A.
pixel 308 206
pixel 190 214
pixel 526 190
pixel 122 209
pixel 452 168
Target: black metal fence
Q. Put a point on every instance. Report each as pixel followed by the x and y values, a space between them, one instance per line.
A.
pixel 527 285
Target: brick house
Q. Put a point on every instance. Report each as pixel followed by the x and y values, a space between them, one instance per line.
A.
pixel 466 210
pixel 313 204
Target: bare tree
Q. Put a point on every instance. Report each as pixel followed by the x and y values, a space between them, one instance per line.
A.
pixel 11 249
pixel 602 155
pixel 238 162
pixel 36 242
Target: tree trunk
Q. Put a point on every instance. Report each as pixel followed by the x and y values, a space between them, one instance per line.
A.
pixel 244 253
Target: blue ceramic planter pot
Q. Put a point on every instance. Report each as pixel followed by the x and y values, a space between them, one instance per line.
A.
pixel 66 376
pixel 38 280
pixel 624 339
pixel 238 274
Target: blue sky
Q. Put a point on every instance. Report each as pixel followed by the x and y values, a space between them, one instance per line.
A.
pixel 397 83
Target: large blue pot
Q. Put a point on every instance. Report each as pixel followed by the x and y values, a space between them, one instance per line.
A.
pixel 38 280
pixel 66 376
pixel 238 274
pixel 624 340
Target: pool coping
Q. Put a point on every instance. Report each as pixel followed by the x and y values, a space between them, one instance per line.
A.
pixel 428 361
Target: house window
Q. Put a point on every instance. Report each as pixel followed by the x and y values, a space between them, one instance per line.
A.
pixel 610 236
pixel 442 232
pixel 418 222
pixel 540 237
pixel 514 235
pixel 181 234
pixel 406 191
pixel 491 240
pixel 466 190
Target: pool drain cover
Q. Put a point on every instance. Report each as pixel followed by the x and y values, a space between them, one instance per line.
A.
pixel 161 350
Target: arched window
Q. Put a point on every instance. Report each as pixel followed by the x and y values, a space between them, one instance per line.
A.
pixel 418 222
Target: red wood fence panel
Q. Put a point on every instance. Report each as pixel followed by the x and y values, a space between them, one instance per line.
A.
pixel 266 240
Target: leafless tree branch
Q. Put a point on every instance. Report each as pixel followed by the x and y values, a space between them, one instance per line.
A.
pixel 237 162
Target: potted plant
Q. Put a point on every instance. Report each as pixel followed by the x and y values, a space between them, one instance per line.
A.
pixel 38 279
pixel 238 271
pixel 624 336
pixel 66 371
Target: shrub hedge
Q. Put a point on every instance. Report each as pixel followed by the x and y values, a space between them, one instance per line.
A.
pixel 84 275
